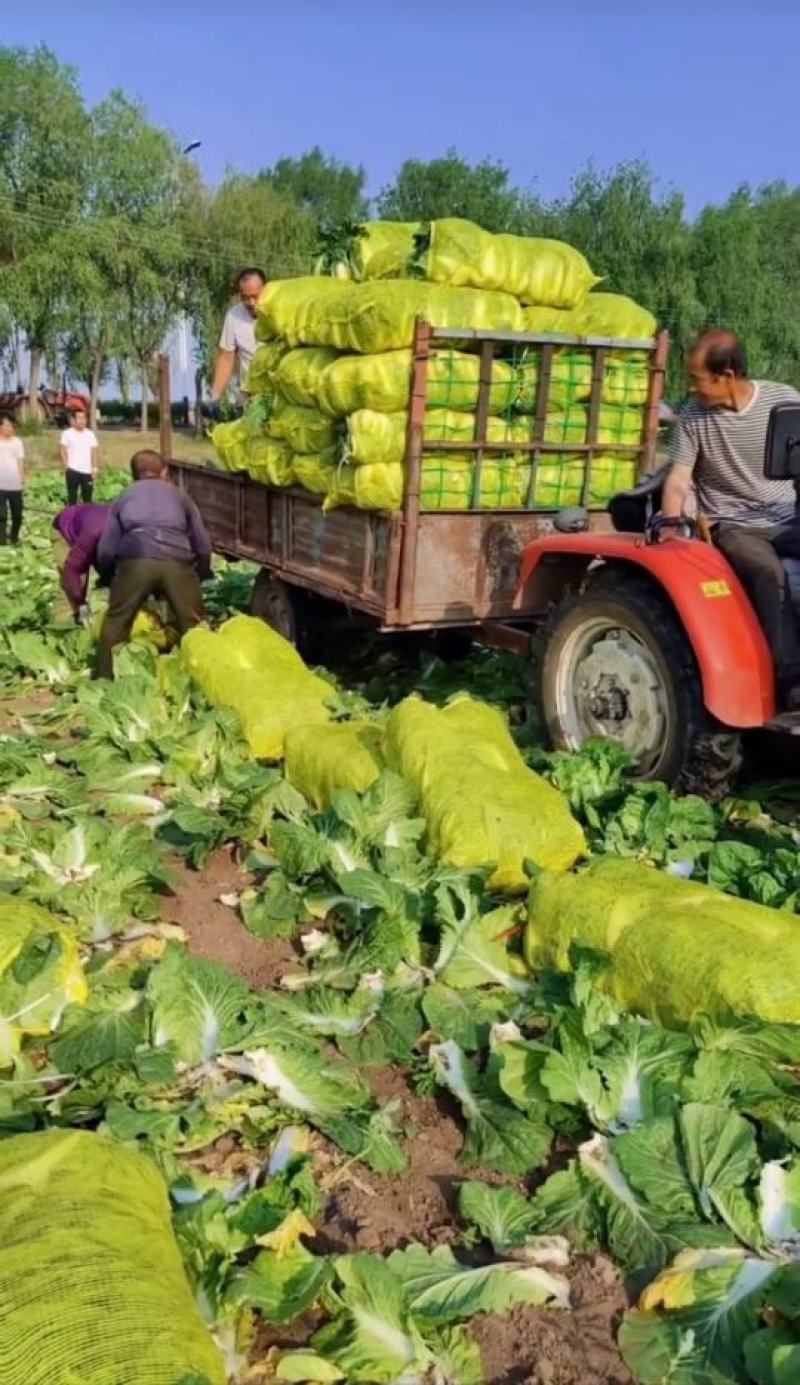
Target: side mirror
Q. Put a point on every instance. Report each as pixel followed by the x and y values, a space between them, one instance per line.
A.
pixel 782 453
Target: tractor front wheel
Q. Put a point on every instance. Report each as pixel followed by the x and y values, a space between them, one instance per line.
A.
pixel 616 664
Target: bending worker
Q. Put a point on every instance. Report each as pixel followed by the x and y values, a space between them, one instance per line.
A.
pixel 154 544
pixel 78 529
pixel 237 343
pixel 719 445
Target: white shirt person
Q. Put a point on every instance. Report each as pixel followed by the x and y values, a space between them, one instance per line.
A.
pixel 80 458
pixel 237 342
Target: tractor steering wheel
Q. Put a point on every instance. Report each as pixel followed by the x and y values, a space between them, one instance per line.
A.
pixel 662 526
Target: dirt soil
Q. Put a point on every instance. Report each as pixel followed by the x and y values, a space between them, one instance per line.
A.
pixel 375 1212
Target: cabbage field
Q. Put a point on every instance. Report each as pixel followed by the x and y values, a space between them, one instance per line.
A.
pixel 403 1140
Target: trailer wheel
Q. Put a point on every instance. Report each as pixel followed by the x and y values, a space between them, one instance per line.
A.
pixel 616 664
pixel 274 602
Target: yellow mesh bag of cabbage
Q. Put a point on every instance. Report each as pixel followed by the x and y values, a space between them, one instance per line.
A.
pixel 229 440
pixel 299 375
pixel 374 437
pixel 249 667
pixel 383 382
pixel 379 315
pixel 533 269
pixel 268 461
pixel 599 315
pixel 40 974
pixel 262 367
pixel 383 249
pixel 481 803
pixel 321 759
pixel 302 428
pixel 678 950
pixel 92 1288
pixel 314 471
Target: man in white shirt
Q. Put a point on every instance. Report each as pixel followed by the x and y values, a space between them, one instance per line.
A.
pixel 80 458
pixel 237 343
pixel 12 456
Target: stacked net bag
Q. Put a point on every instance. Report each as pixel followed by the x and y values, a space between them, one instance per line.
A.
pixel 333 373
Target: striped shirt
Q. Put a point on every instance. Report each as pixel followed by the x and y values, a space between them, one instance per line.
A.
pixel 724 449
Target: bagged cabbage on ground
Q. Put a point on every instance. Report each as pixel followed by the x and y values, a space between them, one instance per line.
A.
pixel 677 950
pixel 481 803
pixel 249 667
pixel 376 316
pixel 321 759
pixel 40 973
pixel 549 273
pixel 299 375
pixel 383 382
pixel 92 1288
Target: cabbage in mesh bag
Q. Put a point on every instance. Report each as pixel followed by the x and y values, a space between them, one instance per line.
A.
pixel 321 759
pixel 299 376
pixel 535 270
pixel 626 379
pixel 303 429
pixel 383 382
pixel 379 315
pixel 374 437
pixel 269 461
pixel 383 249
pixel 92 1288
pixel 599 315
pixel 481 803
pixel 263 366
pixel 678 950
pixel 249 667
pixel 314 471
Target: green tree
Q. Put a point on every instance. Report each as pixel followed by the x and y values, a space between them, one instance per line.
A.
pixel 43 136
pixel 450 186
pixel 324 188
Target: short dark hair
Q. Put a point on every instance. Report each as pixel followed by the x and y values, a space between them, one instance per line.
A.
pixel 7 418
pixel 723 353
pixel 146 464
pixel 249 272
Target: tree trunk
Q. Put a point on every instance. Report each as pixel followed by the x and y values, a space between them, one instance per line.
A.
pixel 124 380
pixel 145 396
pixel 94 386
pixel 198 401
pixel 35 378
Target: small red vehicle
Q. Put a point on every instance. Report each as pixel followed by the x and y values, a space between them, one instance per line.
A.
pixel 50 406
pixel 655 644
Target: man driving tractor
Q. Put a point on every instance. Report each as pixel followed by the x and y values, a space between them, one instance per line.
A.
pixel 718 447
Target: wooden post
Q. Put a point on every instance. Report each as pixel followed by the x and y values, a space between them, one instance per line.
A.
pixel 164 408
pixel 412 469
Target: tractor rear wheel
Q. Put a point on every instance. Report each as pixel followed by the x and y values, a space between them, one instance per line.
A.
pixel 616 664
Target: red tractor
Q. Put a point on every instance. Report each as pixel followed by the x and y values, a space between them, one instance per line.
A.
pixel 655 644
pixel 50 406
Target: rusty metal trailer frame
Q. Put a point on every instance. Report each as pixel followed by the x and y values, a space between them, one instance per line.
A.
pixel 419 569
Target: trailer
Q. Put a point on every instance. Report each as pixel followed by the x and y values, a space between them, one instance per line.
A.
pixel 417 569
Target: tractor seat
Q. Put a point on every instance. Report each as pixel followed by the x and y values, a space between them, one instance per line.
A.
pixel 631 510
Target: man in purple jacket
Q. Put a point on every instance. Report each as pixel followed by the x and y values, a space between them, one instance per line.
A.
pixel 155 544
pixel 78 530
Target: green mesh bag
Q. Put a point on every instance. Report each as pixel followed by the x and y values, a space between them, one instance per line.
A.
pixel 383 382
pixel 626 379
pixel 599 315
pixel 299 374
pixel 92 1289
pixel 533 269
pixel 383 249
pixel 375 437
pixel 481 803
pixel 314 470
pixel 303 429
pixel 379 315
pixel 263 366
pixel 678 950
pixel 321 759
pixel 373 487
pixel 268 461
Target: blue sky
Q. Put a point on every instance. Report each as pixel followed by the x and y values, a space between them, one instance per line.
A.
pixel 704 92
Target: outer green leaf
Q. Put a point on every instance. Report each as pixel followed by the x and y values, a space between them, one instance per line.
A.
pixel 316 1087
pixel 503 1216
pixel 441 1290
pixel 721 1158
pixel 197 1006
pixel 306 1366
pixel 391 1036
pixel 465 1016
pixel 659 1351
pixel 473 949
pixel 374 1338
pixel 497 1135
pixel 567 1203
pixel 281 1286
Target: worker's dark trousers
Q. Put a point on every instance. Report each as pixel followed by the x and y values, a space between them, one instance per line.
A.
pixel 10 506
pixel 755 556
pixel 136 579
pixel 79 484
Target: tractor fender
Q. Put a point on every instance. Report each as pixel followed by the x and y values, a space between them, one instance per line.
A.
pixel 732 653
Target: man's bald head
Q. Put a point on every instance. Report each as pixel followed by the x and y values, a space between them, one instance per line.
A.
pixel 718 370
pixel 147 465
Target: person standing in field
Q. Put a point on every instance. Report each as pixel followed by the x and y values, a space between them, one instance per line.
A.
pixel 237 343
pixel 153 544
pixel 80 458
pixel 12 458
